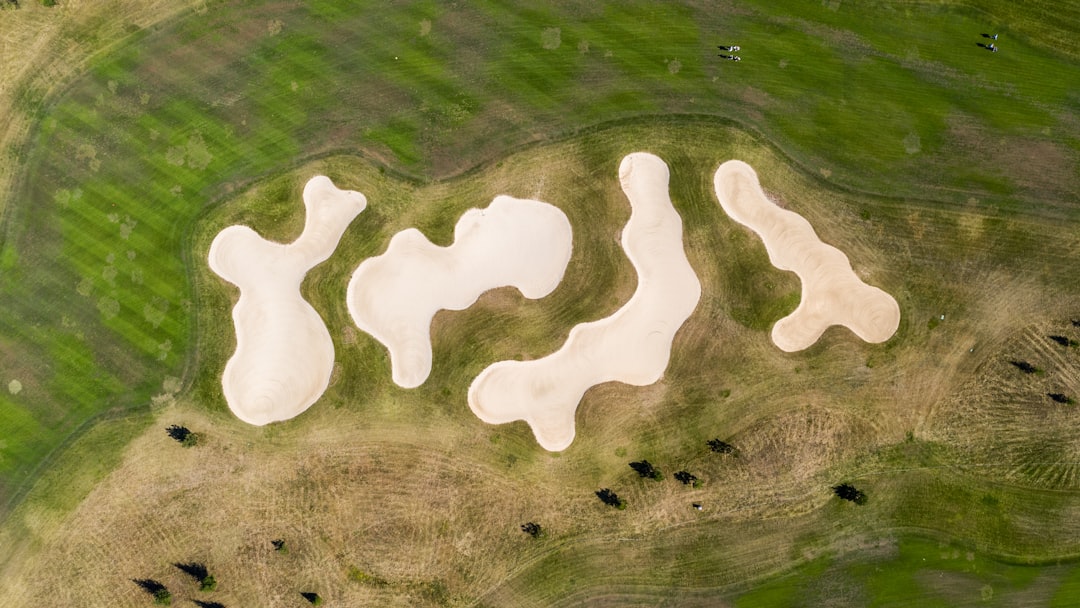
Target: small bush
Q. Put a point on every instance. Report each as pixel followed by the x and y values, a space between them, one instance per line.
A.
pixel 161 594
pixel 312 597
pixel 532 528
pixel 610 498
pixel 721 447
pixel 359 576
pixel 183 435
pixel 1025 367
pixel 688 479
pixel 279 546
pixel 645 469
pixel 850 493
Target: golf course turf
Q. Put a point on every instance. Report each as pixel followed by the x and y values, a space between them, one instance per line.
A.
pixel 945 173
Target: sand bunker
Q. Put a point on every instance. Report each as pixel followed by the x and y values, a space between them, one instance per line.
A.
pixel 632 346
pixel 520 243
pixel 284 354
pixel 831 292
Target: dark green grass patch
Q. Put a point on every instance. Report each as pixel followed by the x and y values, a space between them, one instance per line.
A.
pixel 911 570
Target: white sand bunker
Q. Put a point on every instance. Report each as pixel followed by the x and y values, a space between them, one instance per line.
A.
pixel 632 346
pixel 284 354
pixel 831 292
pixel 521 243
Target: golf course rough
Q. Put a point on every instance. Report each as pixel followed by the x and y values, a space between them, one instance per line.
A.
pixel 513 242
pixel 284 354
pixel 832 294
pixel 633 345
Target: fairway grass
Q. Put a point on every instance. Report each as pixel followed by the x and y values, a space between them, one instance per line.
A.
pixel 906 146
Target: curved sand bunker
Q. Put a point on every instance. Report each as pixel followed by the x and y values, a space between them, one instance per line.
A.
pixel 284 354
pixel 632 346
pixel 831 292
pixel 520 243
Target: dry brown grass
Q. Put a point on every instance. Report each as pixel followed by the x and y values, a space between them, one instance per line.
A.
pixel 1002 421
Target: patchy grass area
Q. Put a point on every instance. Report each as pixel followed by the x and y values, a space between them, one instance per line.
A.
pixel 97 292
pixel 946 173
pixel 411 490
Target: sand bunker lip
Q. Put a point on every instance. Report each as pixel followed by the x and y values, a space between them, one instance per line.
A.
pixel 832 294
pixel 284 353
pixel 632 346
pixel 517 242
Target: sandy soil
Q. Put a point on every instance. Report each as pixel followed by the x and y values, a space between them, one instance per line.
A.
pixel 521 243
pixel 832 294
pixel 284 354
pixel 632 346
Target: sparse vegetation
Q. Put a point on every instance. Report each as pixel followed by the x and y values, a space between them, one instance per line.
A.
pixel 359 576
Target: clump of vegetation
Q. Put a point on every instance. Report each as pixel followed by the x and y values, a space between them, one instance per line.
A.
pixel 359 576
pixel 161 594
pixel 610 498
pixel 48 2
pixel 1061 398
pixel 532 528
pixel 1025 367
pixel 183 435
pixel 201 575
pixel 688 479
pixel 279 545
pixel 721 447
pixel 646 469
pixel 1064 341
pixel 850 493
pixel 312 597
pixel 202 604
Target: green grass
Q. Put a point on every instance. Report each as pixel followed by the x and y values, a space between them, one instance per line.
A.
pixel 912 570
pixel 105 297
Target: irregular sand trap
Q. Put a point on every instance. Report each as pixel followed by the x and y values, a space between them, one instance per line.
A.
pixel 393 297
pixel 632 346
pixel 831 292
pixel 284 354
